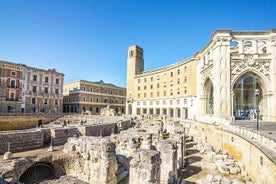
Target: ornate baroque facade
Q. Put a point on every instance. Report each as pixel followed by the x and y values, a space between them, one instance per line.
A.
pixel 238 68
pixel 232 77
pixel 83 96
pixel 30 90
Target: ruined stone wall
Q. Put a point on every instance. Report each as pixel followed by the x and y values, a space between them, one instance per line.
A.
pixel 37 138
pixel 21 140
pixel 93 159
pixel 97 130
pixel 23 122
pixel 124 125
pixel 60 135
pixel 145 167
pixel 258 160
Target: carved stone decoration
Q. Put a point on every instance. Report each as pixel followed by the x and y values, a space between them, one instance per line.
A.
pixel 251 61
pixel 206 73
pixel 261 65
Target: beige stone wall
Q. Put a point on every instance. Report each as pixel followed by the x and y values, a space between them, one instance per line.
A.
pixel 23 122
pixel 169 82
pixel 241 148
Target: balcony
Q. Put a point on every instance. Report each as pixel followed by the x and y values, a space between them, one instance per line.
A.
pixel 12 86
pixel 12 99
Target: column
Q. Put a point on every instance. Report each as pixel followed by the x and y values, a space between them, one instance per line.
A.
pixel 168 155
pixel 145 167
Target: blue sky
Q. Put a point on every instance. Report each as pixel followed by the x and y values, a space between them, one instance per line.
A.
pixel 89 39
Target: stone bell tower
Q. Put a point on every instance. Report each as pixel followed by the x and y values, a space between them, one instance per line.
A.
pixel 135 65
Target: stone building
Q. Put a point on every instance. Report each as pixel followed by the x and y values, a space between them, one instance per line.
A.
pixel 30 90
pixel 238 69
pixel 86 96
pixel 42 90
pixel 11 86
pixel 170 90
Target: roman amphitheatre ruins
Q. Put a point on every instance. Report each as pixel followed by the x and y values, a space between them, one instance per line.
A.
pixel 136 149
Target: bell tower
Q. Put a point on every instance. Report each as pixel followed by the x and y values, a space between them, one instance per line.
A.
pixel 135 65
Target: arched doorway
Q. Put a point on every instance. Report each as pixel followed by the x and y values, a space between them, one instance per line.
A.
pixel 37 173
pixel 209 94
pixel 245 99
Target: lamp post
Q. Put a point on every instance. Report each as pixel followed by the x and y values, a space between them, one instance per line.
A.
pixel 257 93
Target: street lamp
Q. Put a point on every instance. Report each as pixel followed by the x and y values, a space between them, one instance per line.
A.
pixel 257 93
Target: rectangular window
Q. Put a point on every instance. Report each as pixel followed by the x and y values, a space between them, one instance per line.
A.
pixel 56 91
pixel 178 71
pixel 145 79
pixel 33 101
pixel 46 79
pixel 185 91
pixel 151 78
pixel 151 86
pixel 171 74
pixel 34 77
pixel 138 80
pixel 34 89
pixel 165 93
pixel 145 95
pixel 45 101
pixel 57 81
pixel 151 94
pixel 145 87
pixel 158 94
pixel 46 90
pixel 56 101
pixel 138 95
pixel 185 80
pixel 13 73
pixel 12 83
pixel 158 85
pixel 185 69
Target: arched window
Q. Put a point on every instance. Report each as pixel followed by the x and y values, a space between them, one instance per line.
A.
pixel 245 99
pixel 209 91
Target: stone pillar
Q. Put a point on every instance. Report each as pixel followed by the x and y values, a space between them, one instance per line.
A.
pixel 181 149
pixel 168 155
pixel 93 159
pixel 145 167
pixel 147 141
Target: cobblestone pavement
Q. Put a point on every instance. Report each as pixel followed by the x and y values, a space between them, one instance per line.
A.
pixel 267 129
